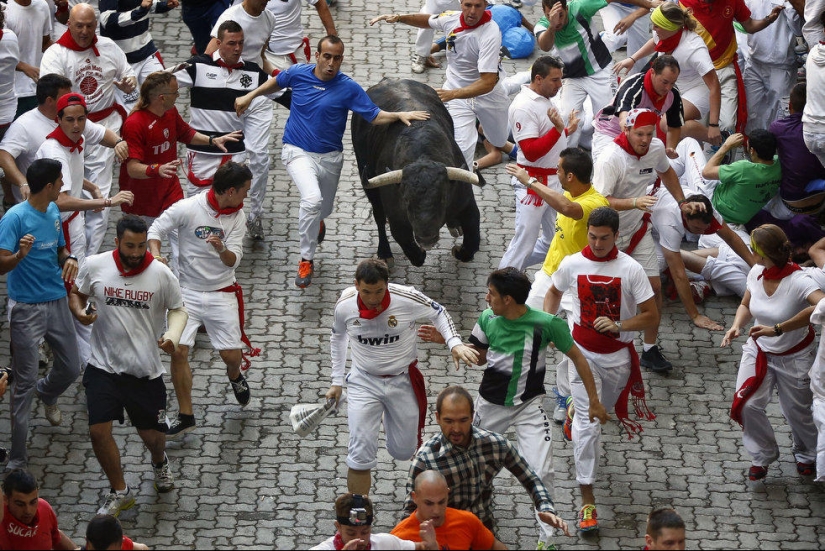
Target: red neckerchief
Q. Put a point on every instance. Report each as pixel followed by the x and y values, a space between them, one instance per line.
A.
pixel 225 65
pixel 621 141
pixel 1 34
pixel 587 252
pixel 667 45
pixel 213 202
pixel 67 41
pixel 462 26
pixel 369 314
pixel 657 100
pixel 65 141
pixel 338 542
pixel 775 272
pixel 147 260
pixel 714 227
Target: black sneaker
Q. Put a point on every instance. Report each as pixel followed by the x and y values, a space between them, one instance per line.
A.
pixel 241 390
pixel 322 232
pixel 181 425
pixel 655 361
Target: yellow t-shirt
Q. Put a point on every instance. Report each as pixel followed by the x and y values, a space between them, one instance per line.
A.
pixel 571 235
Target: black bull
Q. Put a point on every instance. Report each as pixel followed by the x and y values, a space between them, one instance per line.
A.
pixel 425 198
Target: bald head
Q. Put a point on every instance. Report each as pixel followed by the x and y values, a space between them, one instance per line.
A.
pixel 430 496
pixel 82 25
pixel 430 477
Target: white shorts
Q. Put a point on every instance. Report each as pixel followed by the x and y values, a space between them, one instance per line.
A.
pixel 301 54
pixel 201 167
pixel 644 253
pixel 699 96
pixel 218 312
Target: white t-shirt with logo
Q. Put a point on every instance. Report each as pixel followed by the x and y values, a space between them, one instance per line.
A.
pixel 30 23
pixel 256 31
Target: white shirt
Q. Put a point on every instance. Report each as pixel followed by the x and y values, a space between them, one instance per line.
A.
pixel 30 23
pixel 201 268
pixel 666 218
pixel 26 134
pixel 528 119
pixel 613 289
pixel 775 44
pixel 131 314
pixel 9 57
pixel 694 60
pixel 92 76
pixel 817 372
pixel 789 299
pixel 622 175
pixel 386 344
pixel 256 30
pixel 72 161
pixel 377 541
pixel 476 50
pixel 288 31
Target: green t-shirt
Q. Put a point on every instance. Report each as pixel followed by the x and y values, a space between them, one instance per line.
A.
pixel 579 46
pixel 744 188
pixel 516 353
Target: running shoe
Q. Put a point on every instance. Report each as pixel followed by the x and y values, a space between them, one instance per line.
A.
pixel 567 429
pixel 757 472
pixel 255 229
pixel 304 277
pixel 322 232
pixel 419 64
pixel 164 481
pixel 116 502
pixel 655 361
pixel 806 469
pixel 241 390
pixel 588 519
pixel 181 425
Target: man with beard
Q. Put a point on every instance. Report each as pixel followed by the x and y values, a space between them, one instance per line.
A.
pixel 133 294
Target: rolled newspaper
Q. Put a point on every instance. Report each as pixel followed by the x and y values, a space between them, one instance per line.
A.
pixel 306 418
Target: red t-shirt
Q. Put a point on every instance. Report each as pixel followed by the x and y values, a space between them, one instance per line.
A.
pixel 461 530
pixel 715 26
pixel 151 140
pixel 41 534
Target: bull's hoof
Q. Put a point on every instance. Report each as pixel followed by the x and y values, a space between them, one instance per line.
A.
pixel 390 262
pixel 456 231
pixel 462 254
pixel 419 259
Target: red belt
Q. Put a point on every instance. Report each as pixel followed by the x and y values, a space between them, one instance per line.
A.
pixel 640 233
pixel 250 352
pixel 98 116
pixel 540 174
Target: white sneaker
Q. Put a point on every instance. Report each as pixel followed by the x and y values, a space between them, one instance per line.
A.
pixel 117 502
pixel 54 415
pixel 164 481
pixel 419 64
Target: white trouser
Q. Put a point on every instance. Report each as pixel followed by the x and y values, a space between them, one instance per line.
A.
pixel 768 90
pixel 316 175
pixel 201 167
pixel 256 122
pixel 98 167
pixel 815 143
pixel 730 95
pixel 727 272
pixel 818 409
pixel 812 29
pixel 789 375
pixel 424 38
pixel 635 37
pixel 76 238
pixel 490 110
pixel 688 167
pixel 535 227
pixel 283 62
pixel 600 143
pixel 142 69
pixel 600 86
pixel 611 372
pixel 370 398
pixel 534 435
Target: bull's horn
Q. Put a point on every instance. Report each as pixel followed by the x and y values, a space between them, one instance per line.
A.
pixel 461 175
pixel 391 177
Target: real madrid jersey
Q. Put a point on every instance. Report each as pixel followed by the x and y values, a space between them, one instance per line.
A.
pixel 385 344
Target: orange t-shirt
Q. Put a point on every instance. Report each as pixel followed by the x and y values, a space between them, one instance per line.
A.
pixel 461 530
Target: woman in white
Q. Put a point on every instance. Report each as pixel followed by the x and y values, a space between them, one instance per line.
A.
pixel 778 353
pixel 673 33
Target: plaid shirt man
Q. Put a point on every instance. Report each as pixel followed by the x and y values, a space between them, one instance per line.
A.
pixel 470 472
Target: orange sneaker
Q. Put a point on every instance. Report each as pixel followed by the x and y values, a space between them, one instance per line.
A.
pixel 304 277
pixel 588 519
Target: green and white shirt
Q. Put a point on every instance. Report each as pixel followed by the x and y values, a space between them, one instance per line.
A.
pixel 579 46
pixel 517 353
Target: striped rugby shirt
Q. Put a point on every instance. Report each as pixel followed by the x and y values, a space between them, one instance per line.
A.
pixel 517 353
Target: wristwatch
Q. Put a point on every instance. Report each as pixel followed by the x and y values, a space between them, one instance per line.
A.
pixel 532 181
pixel 618 324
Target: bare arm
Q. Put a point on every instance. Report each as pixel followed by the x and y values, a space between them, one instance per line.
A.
pixel 65 542
pixel 817 253
pixel 556 200
pixel 388 117
pixel 13 174
pixel 269 87
pixel 715 89
pixel 680 280
pixel 552 300
pixel 800 320
pixel 326 17
pixel 754 26
pixel 420 20
pixel 547 39
pixel 212 47
pixel 743 316
pixel 735 242
pixel 711 170
pixel 597 410
pixel 485 84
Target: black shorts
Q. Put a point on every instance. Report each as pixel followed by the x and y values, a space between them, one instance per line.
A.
pixel 107 395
